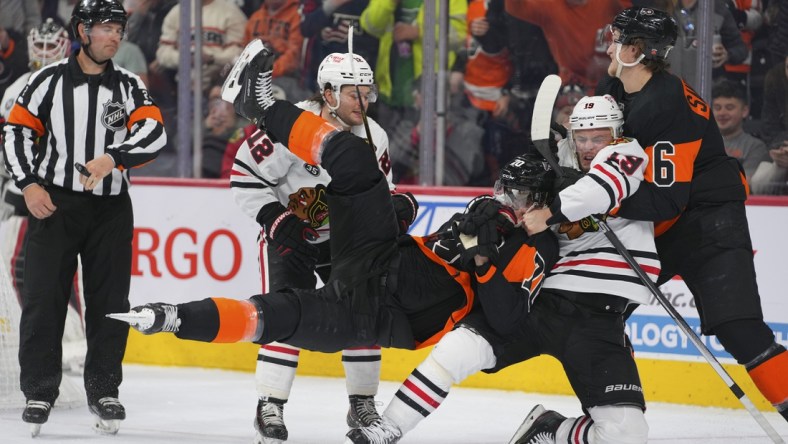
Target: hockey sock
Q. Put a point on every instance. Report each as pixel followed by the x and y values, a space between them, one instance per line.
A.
pixel 276 369
pixel 768 373
pixel 420 394
pixel 305 134
pixel 220 320
pixel 362 370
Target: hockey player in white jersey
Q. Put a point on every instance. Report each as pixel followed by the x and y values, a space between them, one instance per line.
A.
pixel 287 197
pixel 578 314
pixel 47 43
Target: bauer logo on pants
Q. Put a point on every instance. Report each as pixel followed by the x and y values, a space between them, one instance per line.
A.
pixel 114 116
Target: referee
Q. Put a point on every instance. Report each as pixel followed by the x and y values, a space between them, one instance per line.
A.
pixel 81 111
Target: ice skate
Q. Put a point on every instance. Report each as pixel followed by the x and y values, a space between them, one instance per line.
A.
pixel 151 318
pixel 248 86
pixel 362 411
pixel 269 421
pixel 539 427
pixel 36 413
pixel 107 412
pixel 381 432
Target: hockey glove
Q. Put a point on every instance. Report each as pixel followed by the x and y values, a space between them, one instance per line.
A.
pixel 406 207
pixel 289 236
pixel 484 209
pixel 484 243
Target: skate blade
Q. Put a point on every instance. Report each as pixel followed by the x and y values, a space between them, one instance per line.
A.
pixel 131 318
pixel 35 429
pixel 527 423
pixel 106 426
pixel 260 439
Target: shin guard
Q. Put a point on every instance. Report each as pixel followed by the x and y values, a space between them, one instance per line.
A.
pixel 768 371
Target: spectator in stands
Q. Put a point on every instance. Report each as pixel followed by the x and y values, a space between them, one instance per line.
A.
pixel 775 126
pixel 222 39
pixel 488 69
pixel 130 56
pixel 729 103
pixel 325 23
pixel 571 28
pixel 565 104
pixel 399 24
pixel 219 127
pixel 748 18
pixel 277 24
pixel 20 15
pixel 775 106
pixel 728 46
pixel 145 25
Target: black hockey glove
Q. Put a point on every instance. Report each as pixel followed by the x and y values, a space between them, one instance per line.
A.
pixel 406 207
pixel 568 178
pixel 484 243
pixel 289 236
pixel 484 209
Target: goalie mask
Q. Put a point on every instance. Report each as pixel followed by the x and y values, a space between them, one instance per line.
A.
pixel 525 182
pixel 336 71
pixel 47 43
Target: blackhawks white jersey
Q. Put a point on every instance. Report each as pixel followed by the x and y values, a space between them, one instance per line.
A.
pixel 588 262
pixel 265 172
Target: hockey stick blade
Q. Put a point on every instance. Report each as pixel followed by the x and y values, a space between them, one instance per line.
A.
pixel 542 116
pixel 131 318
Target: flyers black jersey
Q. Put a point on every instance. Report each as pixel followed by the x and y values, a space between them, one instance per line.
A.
pixel 676 129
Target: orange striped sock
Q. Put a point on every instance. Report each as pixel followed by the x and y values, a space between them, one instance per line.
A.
pixel 308 137
pixel 239 321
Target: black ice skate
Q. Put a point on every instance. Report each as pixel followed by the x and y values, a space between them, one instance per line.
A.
pixel 362 411
pixel 381 432
pixel 269 421
pixel 107 412
pixel 248 86
pixel 35 414
pixel 151 318
pixel 539 427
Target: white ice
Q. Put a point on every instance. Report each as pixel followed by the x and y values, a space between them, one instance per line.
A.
pixel 188 405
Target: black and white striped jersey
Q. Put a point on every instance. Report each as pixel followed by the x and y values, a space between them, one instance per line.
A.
pixel 64 116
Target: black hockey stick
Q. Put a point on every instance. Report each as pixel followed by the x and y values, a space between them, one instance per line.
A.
pixel 737 391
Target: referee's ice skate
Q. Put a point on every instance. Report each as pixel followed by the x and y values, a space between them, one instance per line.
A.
pixel 107 412
pixel 151 318
pixel 36 413
pixel 248 86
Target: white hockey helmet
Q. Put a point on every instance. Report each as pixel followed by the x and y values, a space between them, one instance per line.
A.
pixel 47 43
pixel 597 112
pixel 336 70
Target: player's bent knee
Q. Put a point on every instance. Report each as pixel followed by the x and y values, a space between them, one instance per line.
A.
pixel 617 424
pixel 462 353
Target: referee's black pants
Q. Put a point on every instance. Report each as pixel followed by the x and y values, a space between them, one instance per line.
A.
pixel 99 229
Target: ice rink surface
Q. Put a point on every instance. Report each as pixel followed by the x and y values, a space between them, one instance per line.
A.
pixel 187 405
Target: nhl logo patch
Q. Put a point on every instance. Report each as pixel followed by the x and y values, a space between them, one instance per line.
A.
pixel 114 116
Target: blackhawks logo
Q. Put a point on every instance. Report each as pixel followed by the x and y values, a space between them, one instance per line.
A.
pixel 114 116
pixel 310 204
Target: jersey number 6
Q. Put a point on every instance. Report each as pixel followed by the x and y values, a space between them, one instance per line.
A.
pixel 664 170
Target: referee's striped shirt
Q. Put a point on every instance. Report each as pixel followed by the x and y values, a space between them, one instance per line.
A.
pixel 64 116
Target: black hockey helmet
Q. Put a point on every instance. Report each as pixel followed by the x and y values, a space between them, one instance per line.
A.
pixel 89 12
pixel 656 29
pixel 524 181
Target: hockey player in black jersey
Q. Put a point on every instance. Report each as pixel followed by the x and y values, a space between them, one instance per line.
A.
pixel 695 193
pixel 385 288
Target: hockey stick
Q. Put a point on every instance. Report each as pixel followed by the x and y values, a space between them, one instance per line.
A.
pixel 358 92
pixel 542 116
pixel 687 330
